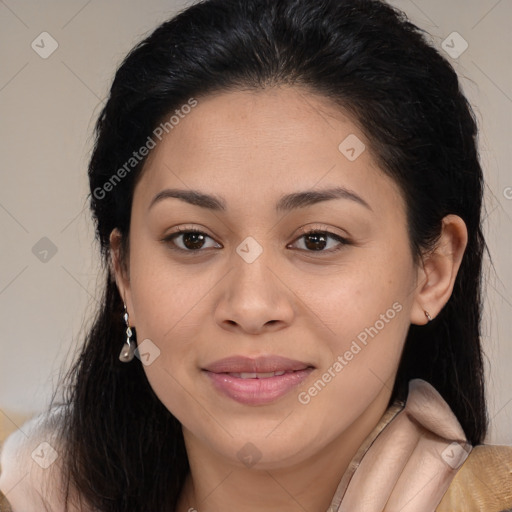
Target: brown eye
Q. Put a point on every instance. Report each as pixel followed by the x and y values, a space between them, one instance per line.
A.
pixel 192 240
pixel 317 241
pixel 188 240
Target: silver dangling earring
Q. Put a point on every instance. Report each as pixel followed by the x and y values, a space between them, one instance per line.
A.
pixel 427 314
pixel 128 350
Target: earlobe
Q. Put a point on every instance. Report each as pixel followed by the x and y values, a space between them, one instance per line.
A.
pixel 437 275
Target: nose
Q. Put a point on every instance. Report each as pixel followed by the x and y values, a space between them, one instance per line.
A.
pixel 254 297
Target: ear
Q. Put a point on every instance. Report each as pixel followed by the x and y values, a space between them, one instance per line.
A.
pixel 436 277
pixel 120 270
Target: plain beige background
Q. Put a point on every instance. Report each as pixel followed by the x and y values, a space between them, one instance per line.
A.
pixel 48 108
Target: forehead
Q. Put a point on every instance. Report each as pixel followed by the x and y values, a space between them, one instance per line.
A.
pixel 261 144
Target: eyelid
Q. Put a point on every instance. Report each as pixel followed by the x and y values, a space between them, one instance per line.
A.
pixel 321 228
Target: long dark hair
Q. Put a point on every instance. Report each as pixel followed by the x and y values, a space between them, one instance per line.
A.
pixel 122 449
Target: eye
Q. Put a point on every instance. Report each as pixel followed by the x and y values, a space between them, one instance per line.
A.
pixel 317 240
pixel 191 240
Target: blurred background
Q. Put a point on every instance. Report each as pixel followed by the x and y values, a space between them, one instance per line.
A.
pixel 57 60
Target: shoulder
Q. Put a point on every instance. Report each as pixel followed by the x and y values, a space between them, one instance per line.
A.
pixel 483 483
pixel 30 469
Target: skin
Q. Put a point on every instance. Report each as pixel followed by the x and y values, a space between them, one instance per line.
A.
pixel 251 148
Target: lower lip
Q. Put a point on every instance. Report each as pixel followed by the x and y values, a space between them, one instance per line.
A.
pixel 257 391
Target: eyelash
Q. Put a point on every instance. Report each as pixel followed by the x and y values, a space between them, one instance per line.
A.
pixel 181 231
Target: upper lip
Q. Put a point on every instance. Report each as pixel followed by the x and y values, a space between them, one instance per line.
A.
pixel 262 364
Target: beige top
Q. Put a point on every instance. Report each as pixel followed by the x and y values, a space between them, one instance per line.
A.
pixel 416 459
pixel 484 482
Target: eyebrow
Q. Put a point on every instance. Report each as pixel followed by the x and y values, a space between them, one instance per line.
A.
pixel 286 203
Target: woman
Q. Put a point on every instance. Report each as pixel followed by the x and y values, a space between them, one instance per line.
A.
pixel 288 201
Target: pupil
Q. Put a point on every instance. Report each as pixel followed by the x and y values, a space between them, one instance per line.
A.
pixel 197 239
pixel 317 238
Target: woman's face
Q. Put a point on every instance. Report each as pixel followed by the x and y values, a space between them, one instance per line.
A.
pixel 252 287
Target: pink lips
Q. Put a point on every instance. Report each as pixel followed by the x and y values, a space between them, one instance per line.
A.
pixel 250 381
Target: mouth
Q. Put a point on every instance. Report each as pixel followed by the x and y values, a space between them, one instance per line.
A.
pixel 257 381
pixel 254 375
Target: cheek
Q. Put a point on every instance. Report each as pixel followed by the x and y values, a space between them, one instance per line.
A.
pixel 168 327
pixel 168 322
pixel 359 295
pixel 166 297
pixel 368 326
pixel 366 310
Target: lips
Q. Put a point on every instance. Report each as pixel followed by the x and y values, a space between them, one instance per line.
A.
pixel 256 381
pixel 259 365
